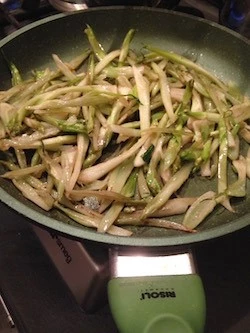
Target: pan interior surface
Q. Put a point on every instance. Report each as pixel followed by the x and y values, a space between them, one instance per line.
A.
pixel 222 52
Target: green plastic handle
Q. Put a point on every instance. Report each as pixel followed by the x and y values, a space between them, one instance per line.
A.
pixel 158 304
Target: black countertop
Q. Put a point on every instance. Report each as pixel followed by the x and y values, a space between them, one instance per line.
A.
pixel 40 301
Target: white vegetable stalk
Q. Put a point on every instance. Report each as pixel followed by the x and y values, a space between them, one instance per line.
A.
pixel 142 87
pixel 248 163
pixel 31 194
pixel 169 188
pixel 63 67
pixel 200 209
pixel 129 132
pixel 238 188
pixel 98 171
pixel 91 222
pixel 19 173
pixel 117 180
pixel 165 92
pixel 106 60
pixel 68 157
pixel 82 146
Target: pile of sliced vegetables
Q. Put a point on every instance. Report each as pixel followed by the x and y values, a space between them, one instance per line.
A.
pixel 109 139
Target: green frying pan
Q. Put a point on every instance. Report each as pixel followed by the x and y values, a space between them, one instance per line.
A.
pixel 224 53
pixel 216 48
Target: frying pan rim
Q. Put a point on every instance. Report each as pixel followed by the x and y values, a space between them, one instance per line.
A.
pixel 118 8
pixel 85 233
